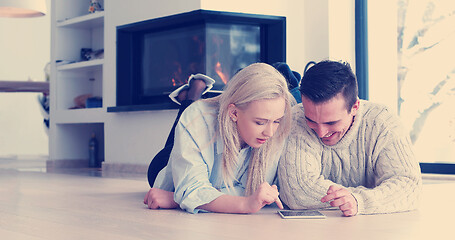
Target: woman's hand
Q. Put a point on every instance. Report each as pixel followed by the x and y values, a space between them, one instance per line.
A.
pixel 264 195
pixel 157 198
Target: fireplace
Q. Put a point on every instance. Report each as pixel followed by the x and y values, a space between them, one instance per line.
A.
pixel 156 56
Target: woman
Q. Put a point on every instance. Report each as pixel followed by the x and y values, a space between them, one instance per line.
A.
pixel 227 148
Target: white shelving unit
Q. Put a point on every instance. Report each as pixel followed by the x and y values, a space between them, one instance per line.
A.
pixel 85 66
pixel 73 28
pixel 91 20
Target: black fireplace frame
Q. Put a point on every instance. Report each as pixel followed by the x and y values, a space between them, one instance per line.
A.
pixel 273 49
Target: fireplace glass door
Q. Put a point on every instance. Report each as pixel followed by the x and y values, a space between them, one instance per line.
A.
pixel 216 50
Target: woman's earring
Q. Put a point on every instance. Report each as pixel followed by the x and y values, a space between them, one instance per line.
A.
pixel 232 112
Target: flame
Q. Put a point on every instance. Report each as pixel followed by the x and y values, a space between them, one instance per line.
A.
pixel 220 73
pixel 176 76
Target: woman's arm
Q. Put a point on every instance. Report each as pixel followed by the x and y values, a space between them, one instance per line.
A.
pixel 264 195
pixel 193 157
pixel 157 198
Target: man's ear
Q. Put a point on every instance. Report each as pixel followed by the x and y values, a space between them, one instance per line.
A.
pixel 355 107
pixel 232 110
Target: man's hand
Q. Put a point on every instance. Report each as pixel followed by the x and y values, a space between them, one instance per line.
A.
pixel 342 198
pixel 264 195
pixel 158 198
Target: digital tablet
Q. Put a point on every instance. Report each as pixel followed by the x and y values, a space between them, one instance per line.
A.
pixel 301 214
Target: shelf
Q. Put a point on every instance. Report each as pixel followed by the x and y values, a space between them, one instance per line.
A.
pixel 86 65
pixel 91 20
pixel 82 115
pixel 72 29
pixel 148 107
pixel 24 86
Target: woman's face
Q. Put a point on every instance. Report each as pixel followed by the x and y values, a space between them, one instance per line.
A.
pixel 258 121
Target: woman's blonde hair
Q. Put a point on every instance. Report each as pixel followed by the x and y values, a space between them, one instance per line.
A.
pixel 255 82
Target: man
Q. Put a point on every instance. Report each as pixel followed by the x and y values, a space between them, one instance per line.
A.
pixel 344 152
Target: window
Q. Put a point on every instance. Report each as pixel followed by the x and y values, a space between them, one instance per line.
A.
pixel 425 97
pixel 426 84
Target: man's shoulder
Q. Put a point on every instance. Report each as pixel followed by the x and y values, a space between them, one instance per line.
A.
pixel 298 117
pixel 300 129
pixel 297 111
pixel 372 110
pixel 379 115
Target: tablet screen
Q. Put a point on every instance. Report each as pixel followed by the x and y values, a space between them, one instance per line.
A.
pixel 301 214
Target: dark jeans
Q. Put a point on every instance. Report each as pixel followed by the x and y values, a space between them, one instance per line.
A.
pixel 161 159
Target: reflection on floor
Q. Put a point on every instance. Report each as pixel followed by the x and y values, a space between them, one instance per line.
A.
pixel 38 164
pixel 24 163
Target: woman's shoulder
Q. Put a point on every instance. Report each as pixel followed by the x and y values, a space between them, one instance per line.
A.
pixel 199 120
pixel 198 111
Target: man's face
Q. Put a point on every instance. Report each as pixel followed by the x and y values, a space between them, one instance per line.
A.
pixel 329 120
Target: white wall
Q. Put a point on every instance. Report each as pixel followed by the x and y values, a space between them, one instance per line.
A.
pixel 382 52
pixel 341 21
pixel 134 137
pixel 24 52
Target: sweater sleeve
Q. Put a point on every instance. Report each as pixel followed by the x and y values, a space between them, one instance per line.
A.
pixel 299 174
pixel 397 177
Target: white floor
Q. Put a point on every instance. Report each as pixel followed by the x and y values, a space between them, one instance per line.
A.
pixel 84 204
pixel 39 205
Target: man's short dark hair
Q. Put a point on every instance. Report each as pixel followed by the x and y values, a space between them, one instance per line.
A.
pixel 326 79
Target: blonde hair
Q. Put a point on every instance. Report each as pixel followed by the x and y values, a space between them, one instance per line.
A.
pixel 255 82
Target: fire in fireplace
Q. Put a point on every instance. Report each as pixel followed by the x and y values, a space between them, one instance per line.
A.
pixel 156 56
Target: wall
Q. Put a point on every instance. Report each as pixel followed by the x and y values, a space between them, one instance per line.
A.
pixel 341 37
pixel 25 50
pixel 382 52
pixel 135 137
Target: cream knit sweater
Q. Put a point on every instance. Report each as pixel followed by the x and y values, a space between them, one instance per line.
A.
pixel 374 160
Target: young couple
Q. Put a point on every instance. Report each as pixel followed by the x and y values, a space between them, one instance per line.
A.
pixel 333 150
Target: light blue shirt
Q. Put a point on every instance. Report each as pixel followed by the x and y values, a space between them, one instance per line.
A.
pixel 194 171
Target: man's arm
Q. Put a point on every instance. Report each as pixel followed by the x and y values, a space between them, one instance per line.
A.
pixel 299 174
pixel 343 199
pixel 301 182
pixel 394 186
pixel 397 177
